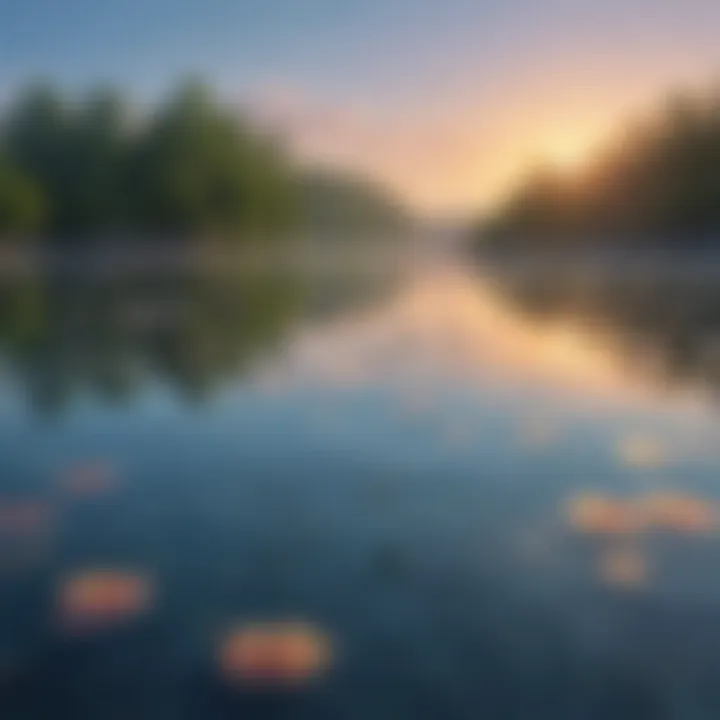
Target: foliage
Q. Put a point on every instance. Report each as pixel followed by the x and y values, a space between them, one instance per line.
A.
pixel 658 184
pixel 331 203
pixel 94 167
pixel 21 202
pixel 199 169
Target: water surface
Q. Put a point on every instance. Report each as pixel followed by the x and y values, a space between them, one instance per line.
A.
pixel 488 512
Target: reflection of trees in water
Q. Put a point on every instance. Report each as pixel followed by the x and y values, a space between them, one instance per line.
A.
pixel 102 334
pixel 668 321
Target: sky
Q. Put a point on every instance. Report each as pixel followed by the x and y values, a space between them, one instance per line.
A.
pixel 446 101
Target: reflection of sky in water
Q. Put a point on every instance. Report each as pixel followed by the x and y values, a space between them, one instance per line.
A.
pixel 400 479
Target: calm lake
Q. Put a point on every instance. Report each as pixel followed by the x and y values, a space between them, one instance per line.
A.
pixel 478 496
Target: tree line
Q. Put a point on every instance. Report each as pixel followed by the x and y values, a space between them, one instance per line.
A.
pixel 96 168
pixel 656 185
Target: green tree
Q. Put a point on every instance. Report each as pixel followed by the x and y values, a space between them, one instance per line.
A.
pixel 22 205
pixel 192 167
pixel 36 142
pixel 200 170
pixel 333 203
pixel 101 147
pixel 658 184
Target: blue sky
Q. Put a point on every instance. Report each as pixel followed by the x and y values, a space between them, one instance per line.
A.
pixel 465 77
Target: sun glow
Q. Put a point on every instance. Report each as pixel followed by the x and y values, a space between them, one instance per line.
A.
pixel 568 154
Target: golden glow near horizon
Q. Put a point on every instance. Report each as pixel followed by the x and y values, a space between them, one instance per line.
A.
pixel 459 158
pixel 461 163
pixel 568 153
pixel 464 153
